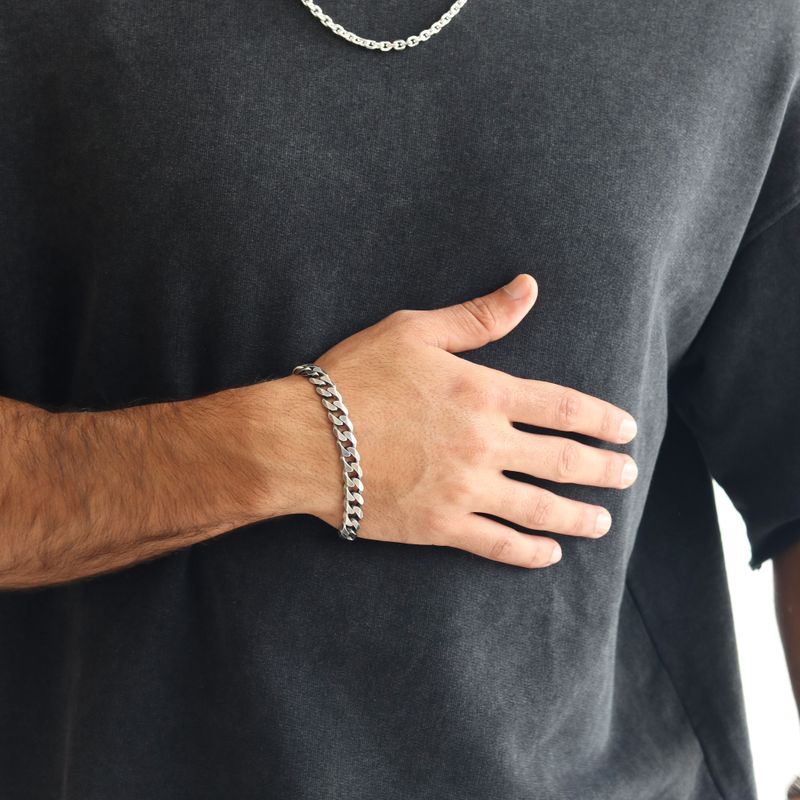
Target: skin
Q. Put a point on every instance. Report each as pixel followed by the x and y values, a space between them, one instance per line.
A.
pixel 83 493
pixel 86 493
pixel 786 574
pixel 433 460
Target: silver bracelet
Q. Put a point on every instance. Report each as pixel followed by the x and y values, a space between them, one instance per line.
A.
pixel 343 430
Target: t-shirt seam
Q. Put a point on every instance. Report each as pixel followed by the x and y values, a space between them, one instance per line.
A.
pixel 667 672
pixel 782 210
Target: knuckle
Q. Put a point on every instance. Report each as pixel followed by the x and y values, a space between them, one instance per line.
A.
pixel 612 468
pixel 608 423
pixel 569 458
pixel 402 315
pixel 456 491
pixel 480 311
pixel 583 524
pixel 500 547
pixel 432 522
pixel 541 510
pixel 463 388
pixel 473 445
pixel 568 409
pixel 481 394
pixel 477 391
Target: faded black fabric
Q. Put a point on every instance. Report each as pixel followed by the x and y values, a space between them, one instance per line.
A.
pixel 199 195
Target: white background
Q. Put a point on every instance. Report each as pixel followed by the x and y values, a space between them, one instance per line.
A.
pixel 771 711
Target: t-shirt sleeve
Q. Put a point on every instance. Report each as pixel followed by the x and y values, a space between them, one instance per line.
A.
pixel 737 386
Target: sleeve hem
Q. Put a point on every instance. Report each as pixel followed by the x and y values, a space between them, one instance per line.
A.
pixel 775 542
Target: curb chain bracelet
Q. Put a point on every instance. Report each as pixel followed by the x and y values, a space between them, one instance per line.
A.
pixel 385 46
pixel 346 440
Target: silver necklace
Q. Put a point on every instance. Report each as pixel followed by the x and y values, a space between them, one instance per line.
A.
pixel 397 44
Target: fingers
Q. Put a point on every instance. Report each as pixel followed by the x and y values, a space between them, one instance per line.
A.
pixel 557 458
pixel 493 540
pixel 539 509
pixel 478 321
pixel 549 405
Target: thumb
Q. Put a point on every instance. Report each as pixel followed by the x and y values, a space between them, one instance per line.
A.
pixel 476 322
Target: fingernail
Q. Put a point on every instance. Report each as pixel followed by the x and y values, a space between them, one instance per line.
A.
pixel 555 555
pixel 519 287
pixel 627 429
pixel 629 473
pixel 603 522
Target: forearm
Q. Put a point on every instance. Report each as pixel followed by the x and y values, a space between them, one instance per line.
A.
pixel 786 570
pixel 84 492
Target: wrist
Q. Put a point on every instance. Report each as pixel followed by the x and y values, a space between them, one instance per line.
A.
pixel 295 455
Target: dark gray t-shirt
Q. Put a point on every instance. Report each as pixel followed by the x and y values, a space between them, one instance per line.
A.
pixel 198 195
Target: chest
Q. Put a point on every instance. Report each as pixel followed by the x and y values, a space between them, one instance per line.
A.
pixel 235 173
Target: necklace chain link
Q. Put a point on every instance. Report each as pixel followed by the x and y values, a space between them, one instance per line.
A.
pixel 385 46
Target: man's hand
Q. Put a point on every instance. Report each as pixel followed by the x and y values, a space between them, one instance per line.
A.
pixel 435 432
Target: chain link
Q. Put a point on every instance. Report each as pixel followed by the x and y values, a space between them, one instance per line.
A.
pixel 343 430
pixel 385 46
